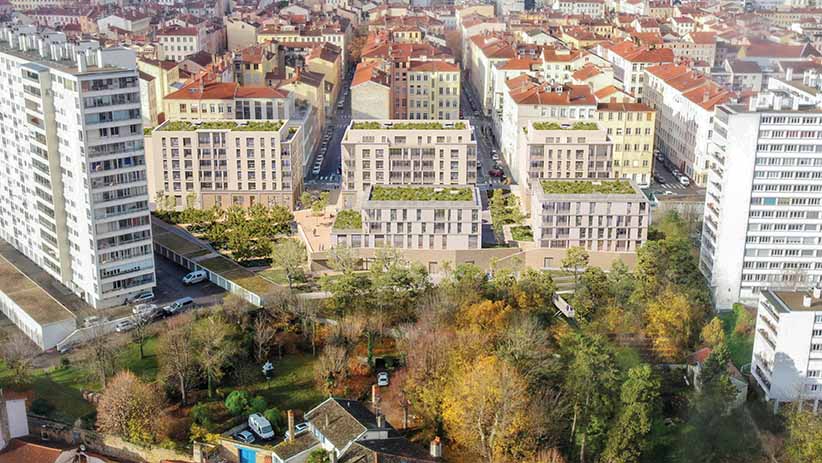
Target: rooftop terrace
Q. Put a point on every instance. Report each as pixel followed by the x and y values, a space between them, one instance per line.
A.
pixel 247 126
pixel 420 193
pixel 408 125
pixel 581 187
pixel 558 126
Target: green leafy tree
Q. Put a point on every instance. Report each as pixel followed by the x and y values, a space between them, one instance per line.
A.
pixel 305 199
pixel 627 440
pixel 237 402
pixel 257 405
pixel 534 291
pixel 318 456
pixel 804 430
pixel 593 293
pixel 713 334
pixel 591 383
pixel 289 254
pixel 275 417
pixel 576 258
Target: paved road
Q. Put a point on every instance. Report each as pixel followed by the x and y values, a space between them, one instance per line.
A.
pixel 486 141
pixel 671 183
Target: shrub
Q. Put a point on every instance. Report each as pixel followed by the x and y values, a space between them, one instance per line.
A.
pixel 41 407
pixel 275 417
pixel 201 414
pixel 257 405
pixel 237 402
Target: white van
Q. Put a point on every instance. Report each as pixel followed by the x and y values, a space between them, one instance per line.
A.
pixel 260 426
pixel 195 277
pixel 685 181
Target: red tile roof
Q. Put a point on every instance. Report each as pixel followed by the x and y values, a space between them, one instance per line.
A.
pixel 540 93
pixel 369 72
pixel 26 452
pixel 224 91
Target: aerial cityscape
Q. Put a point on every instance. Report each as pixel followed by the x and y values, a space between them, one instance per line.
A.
pixel 410 231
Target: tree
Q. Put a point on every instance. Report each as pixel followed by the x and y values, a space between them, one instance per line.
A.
pixel 627 439
pixel 264 333
pixel 214 346
pixel 593 293
pixel 804 429
pixel 318 208
pixel 131 409
pixel 332 366
pixel 140 332
pixel 305 199
pixel 486 407
pixel 534 292
pixel 713 334
pixel 18 353
pixel 672 323
pixel 591 382
pixel 176 354
pixel 576 257
pixel 289 254
pixel 101 356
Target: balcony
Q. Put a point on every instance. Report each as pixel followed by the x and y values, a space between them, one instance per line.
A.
pixel 767 338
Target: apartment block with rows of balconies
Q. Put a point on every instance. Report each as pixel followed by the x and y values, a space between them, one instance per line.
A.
pixel 413 217
pixel 569 150
pixel 406 152
pixel 599 215
pixel 787 350
pixel 75 197
pixel 225 163
pixel 762 224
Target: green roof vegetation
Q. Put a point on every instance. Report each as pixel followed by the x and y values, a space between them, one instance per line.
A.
pixel 382 193
pixel 372 125
pixel 557 126
pixel 613 187
pixel 249 126
pixel 348 219
pixel 147 130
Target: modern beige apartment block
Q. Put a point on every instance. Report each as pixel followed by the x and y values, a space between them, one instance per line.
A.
pixel 600 216
pixel 405 152
pixel 413 217
pixel 224 163
pixel 569 150
pixel 631 128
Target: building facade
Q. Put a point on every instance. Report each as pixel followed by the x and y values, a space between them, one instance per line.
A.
pixel 600 216
pixel 631 127
pixel 225 163
pixel 406 153
pixel 74 183
pixel 787 350
pixel 763 216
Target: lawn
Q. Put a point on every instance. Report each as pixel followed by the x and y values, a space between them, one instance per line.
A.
pixel 146 368
pixel 740 341
pixel 292 386
pixel 275 275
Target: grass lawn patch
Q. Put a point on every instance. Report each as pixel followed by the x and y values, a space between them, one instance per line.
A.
pixel 60 387
pixel 292 386
pixel 738 325
pixel 275 274
pixel 146 368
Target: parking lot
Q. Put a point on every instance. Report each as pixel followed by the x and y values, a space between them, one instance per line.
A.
pixel 170 286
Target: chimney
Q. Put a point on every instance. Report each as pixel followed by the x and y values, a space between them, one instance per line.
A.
pixel 807 301
pixel 291 429
pixel 436 448
pixel 374 396
pixel 817 292
pixel 380 421
pixel 376 457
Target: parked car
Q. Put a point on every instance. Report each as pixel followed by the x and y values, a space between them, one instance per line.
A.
pixel 299 428
pixel 195 277
pixel 92 321
pixel 124 325
pixel 245 436
pixel 260 426
pixel 180 305
pixel 659 179
pixel 144 309
pixel 382 378
pixel 685 181
pixel 145 296
pixel 495 172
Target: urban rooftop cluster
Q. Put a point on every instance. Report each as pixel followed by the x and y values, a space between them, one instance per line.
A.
pixel 373 125
pixel 558 187
pixel 381 193
pixel 250 126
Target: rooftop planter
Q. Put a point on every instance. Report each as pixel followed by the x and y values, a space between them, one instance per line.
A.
pixel 249 126
pixel 372 125
pixel 381 193
pixel 557 126
pixel 348 219
pixel 612 187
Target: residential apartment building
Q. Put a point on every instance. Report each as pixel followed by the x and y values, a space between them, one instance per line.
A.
pixel 226 163
pixel 177 42
pixel 433 90
pixel 442 217
pixel 591 8
pixel 630 61
pixel 506 7
pixel 600 216
pixel 631 128
pixel 74 182
pixel 763 210
pixel 228 100
pixel 685 102
pixel 787 351
pixel 370 93
pixel 406 152
pixel 570 150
